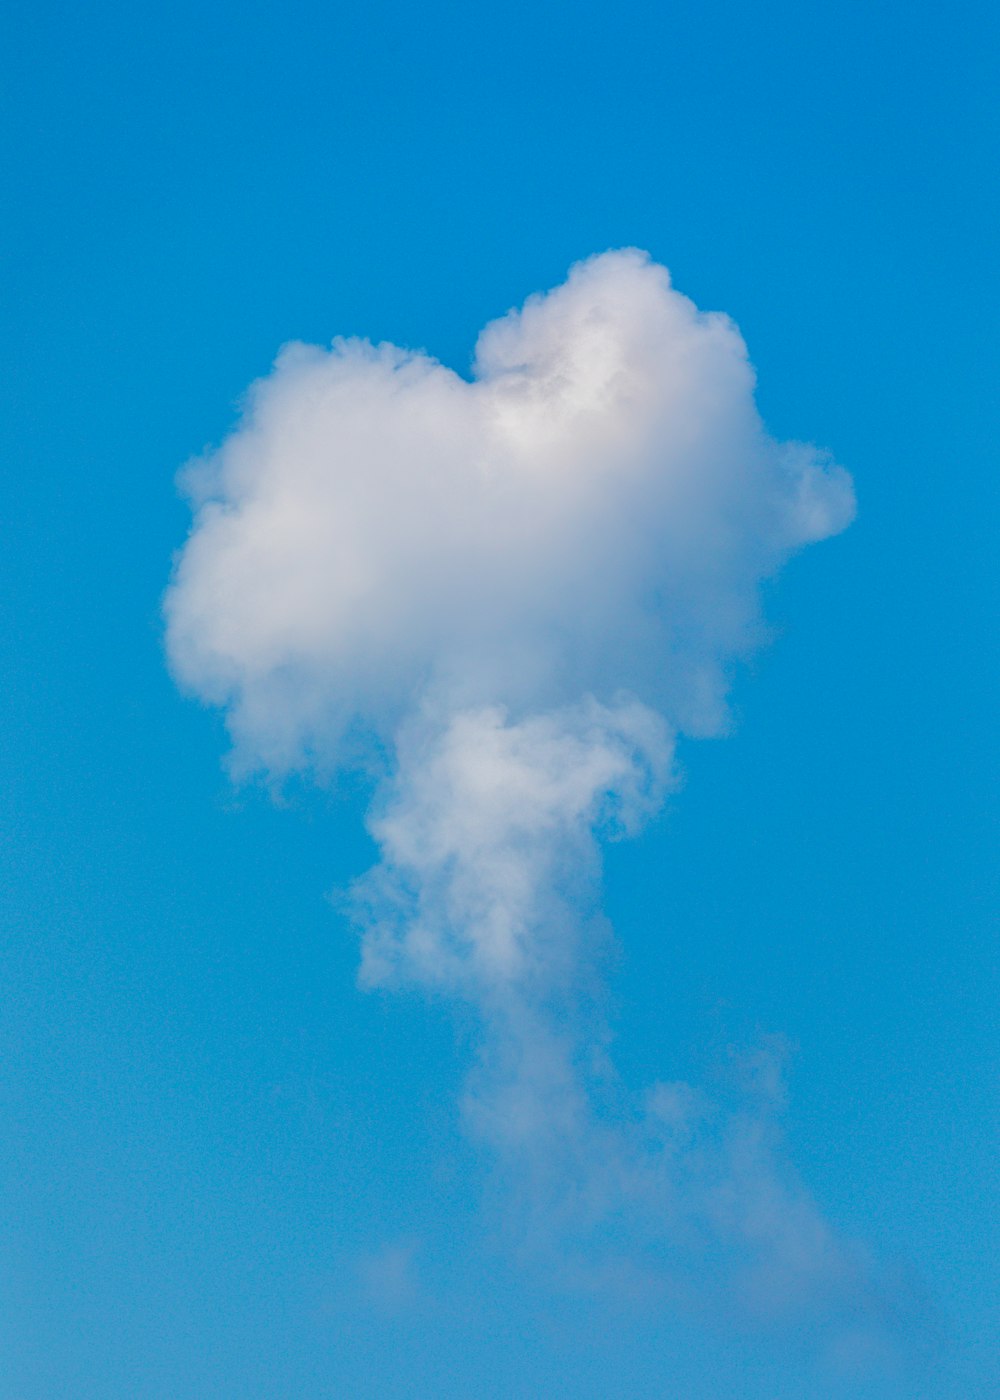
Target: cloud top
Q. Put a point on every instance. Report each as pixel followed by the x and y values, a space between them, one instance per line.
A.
pixel 592 512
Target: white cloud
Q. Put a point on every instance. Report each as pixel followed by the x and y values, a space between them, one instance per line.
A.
pixel 487 831
pixel 591 513
pixel 518 589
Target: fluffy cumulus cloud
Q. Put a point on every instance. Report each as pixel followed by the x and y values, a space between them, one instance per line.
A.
pixel 590 514
pixel 506 596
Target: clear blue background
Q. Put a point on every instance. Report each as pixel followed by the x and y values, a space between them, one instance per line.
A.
pixel 206 1129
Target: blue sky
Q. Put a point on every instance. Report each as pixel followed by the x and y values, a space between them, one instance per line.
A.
pixel 225 1170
